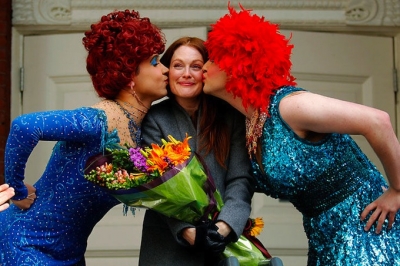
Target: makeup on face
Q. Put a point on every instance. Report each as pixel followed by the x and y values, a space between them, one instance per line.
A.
pixel 185 72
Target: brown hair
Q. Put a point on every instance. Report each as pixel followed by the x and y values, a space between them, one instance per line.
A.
pixel 214 133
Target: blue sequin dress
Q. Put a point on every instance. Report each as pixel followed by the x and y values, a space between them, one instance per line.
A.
pixel 54 231
pixel 330 182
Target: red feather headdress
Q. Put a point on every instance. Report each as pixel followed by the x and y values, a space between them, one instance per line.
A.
pixel 255 56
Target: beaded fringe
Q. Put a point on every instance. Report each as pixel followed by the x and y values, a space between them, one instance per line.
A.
pixel 254 127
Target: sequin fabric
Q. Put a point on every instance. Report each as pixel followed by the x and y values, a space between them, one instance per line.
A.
pixel 54 231
pixel 330 182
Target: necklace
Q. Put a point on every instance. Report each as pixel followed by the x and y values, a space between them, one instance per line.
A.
pixel 254 127
pixel 139 101
pixel 134 129
pixel 134 107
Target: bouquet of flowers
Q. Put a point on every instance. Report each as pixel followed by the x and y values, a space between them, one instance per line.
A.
pixel 168 180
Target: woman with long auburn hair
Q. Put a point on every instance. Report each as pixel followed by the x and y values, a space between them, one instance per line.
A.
pixel 218 133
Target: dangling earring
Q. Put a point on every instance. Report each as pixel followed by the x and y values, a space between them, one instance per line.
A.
pixel 138 99
pixel 133 92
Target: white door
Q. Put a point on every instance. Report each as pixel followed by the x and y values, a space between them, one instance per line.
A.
pixel 354 68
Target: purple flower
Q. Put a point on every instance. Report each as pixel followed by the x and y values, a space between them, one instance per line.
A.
pixel 138 159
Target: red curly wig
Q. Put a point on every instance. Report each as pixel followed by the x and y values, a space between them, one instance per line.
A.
pixel 117 44
pixel 255 56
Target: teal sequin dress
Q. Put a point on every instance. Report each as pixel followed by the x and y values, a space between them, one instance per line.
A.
pixel 55 230
pixel 330 182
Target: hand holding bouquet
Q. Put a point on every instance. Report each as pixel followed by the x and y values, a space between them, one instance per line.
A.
pixel 167 179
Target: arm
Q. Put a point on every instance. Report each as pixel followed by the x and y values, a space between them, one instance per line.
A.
pixel 310 114
pixel 27 130
pixel 26 203
pixel 239 184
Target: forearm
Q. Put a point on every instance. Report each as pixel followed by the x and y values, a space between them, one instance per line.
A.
pixel 239 187
pixel 386 146
pixel 180 230
pixel 19 146
pixel 236 211
pixel 390 161
pixel 223 228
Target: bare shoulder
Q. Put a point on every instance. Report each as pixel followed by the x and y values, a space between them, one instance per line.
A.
pixel 294 100
pixel 293 95
pixel 113 112
pixel 104 104
pixel 108 106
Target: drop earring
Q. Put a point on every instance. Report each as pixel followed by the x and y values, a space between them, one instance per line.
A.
pixel 139 101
